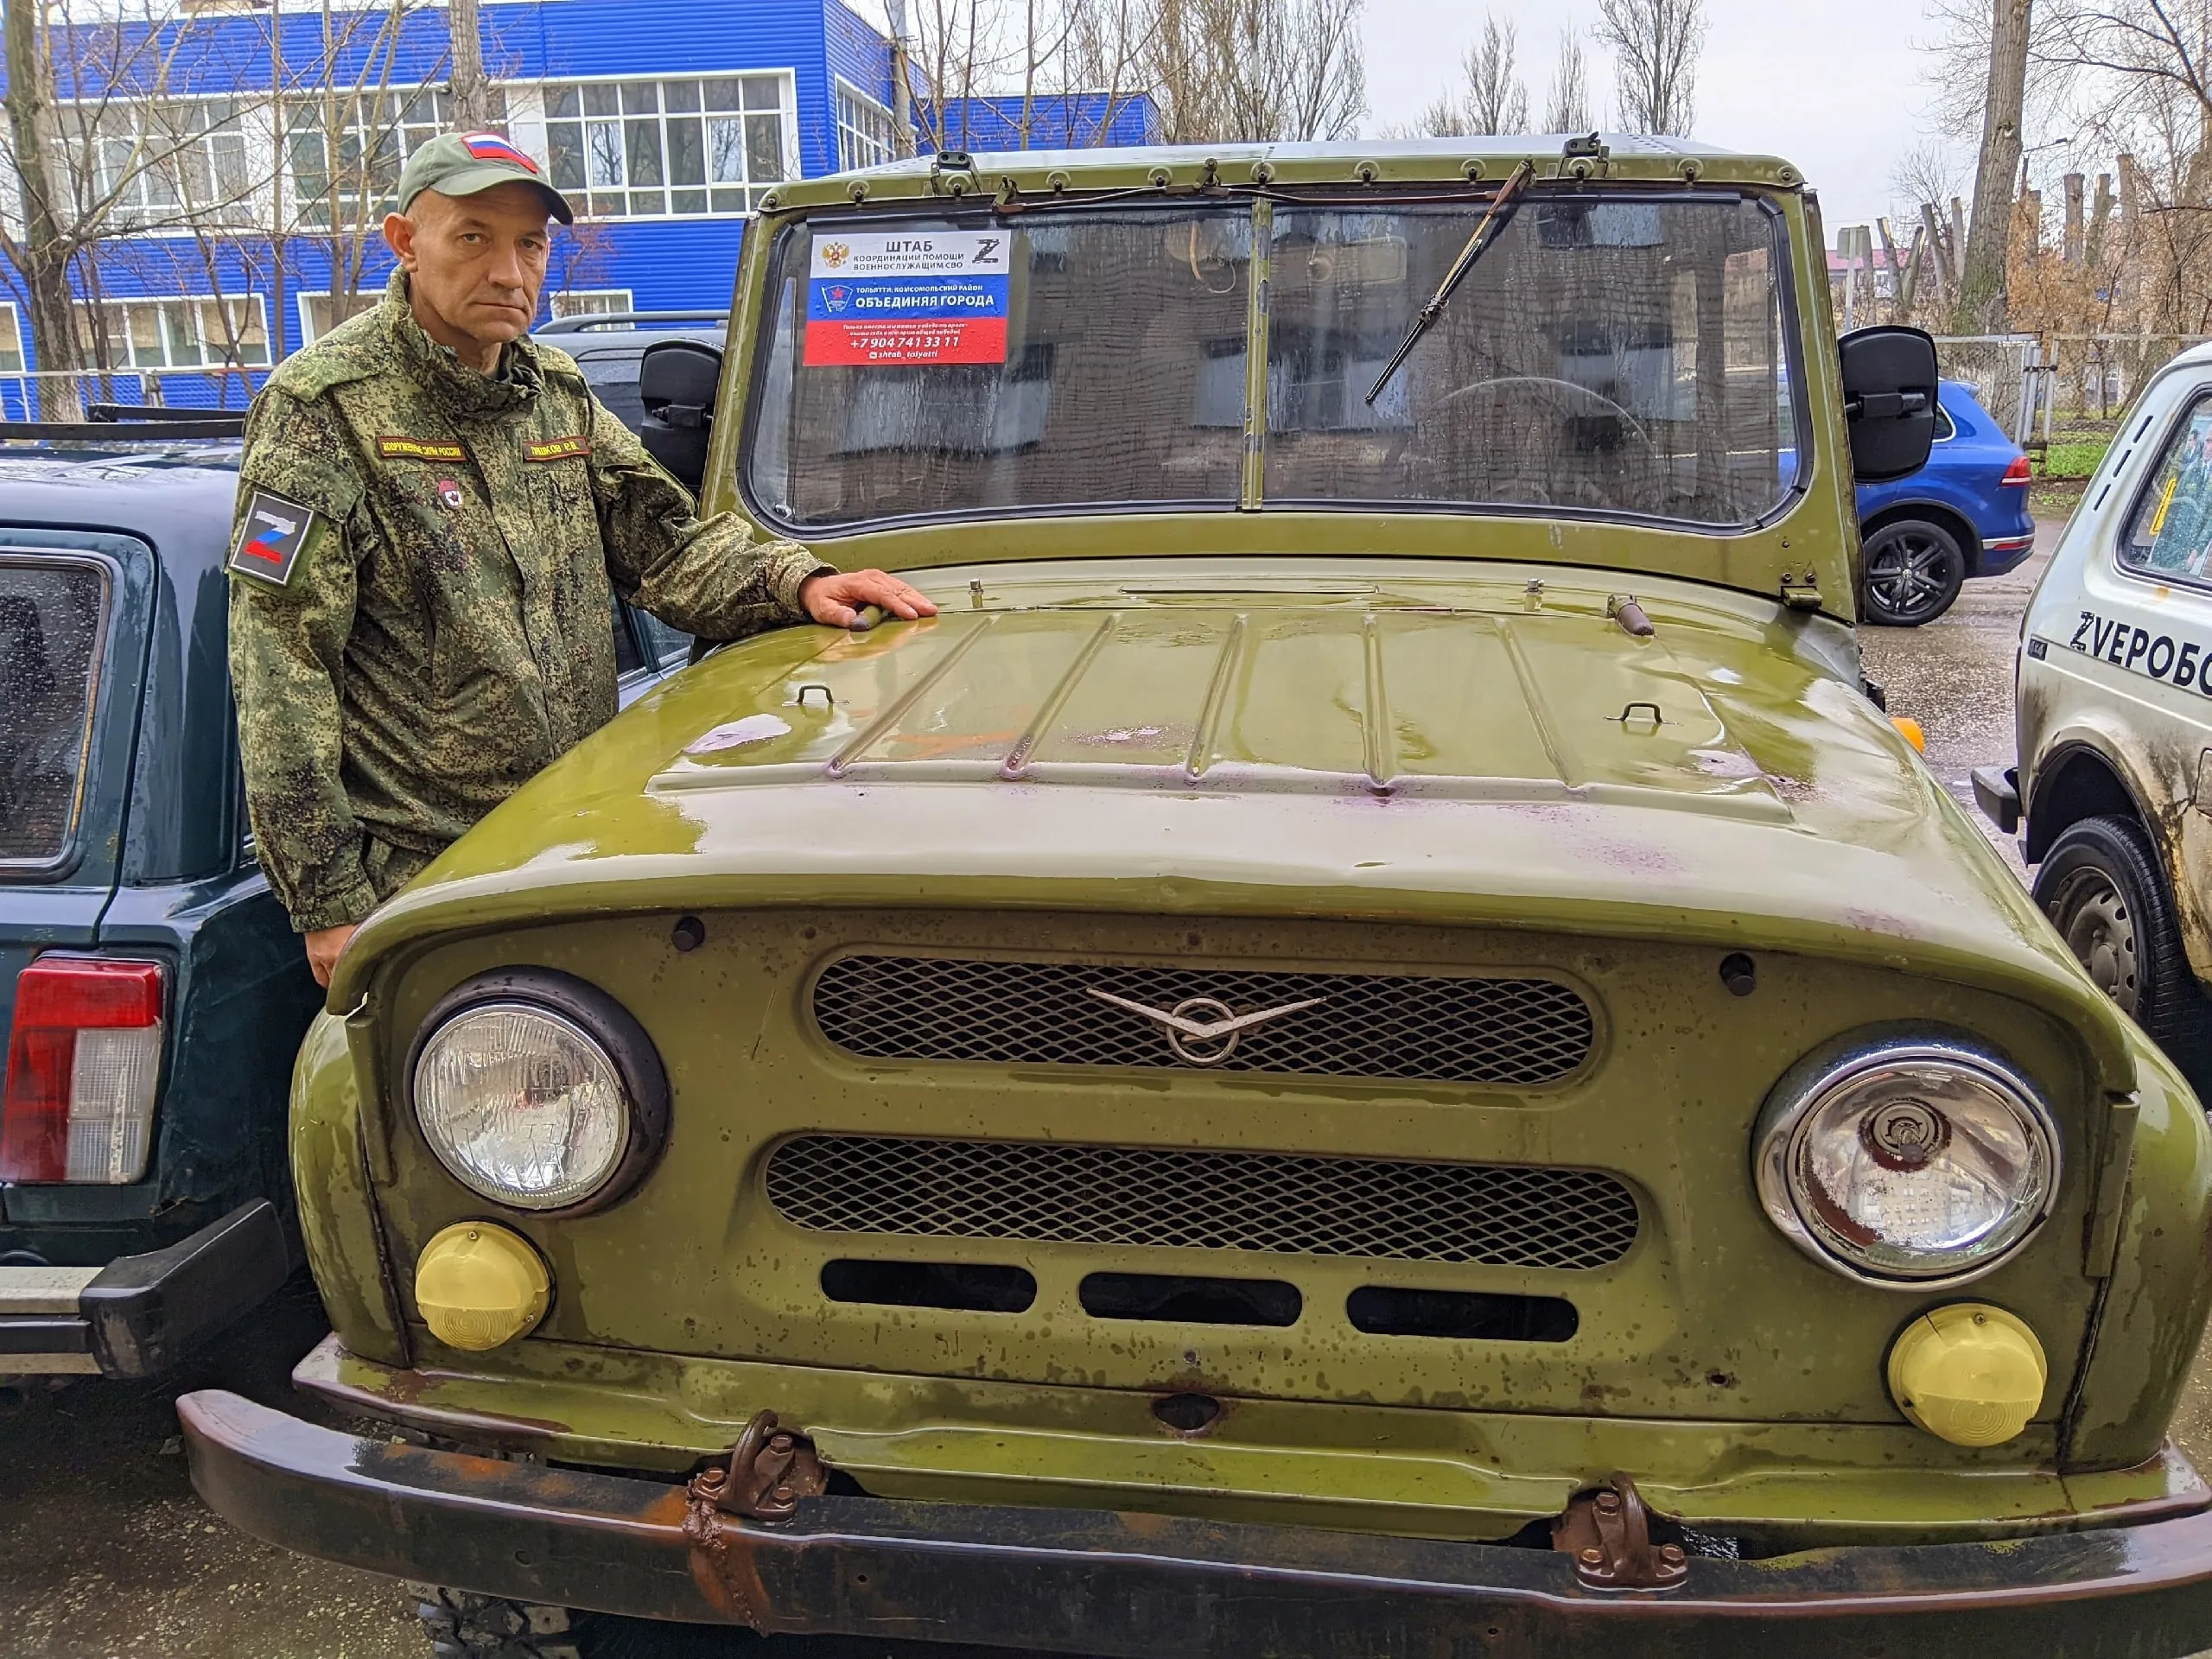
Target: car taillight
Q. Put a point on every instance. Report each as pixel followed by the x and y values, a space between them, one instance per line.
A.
pixel 2017 473
pixel 83 1065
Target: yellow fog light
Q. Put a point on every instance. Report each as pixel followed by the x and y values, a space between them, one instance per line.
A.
pixel 1970 1373
pixel 1910 728
pixel 479 1285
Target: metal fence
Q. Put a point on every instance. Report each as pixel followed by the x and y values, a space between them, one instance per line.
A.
pixel 33 394
pixel 2032 384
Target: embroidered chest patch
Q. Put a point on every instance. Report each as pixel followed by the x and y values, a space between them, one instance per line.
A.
pixel 449 495
pixel 274 534
pixel 557 449
pixel 420 450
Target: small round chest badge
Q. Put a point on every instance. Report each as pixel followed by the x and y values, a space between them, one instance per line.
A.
pixel 449 495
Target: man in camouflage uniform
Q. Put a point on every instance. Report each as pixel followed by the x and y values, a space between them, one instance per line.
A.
pixel 433 514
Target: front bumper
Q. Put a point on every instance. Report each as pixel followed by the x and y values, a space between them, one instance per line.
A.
pixel 139 1314
pixel 1153 1586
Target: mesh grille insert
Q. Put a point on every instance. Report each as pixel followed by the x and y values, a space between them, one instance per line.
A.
pixel 1493 1215
pixel 1429 1027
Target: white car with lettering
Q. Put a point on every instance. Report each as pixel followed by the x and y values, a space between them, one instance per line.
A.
pixel 2114 710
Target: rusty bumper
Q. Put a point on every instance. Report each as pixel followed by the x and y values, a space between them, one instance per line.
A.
pixel 1159 1587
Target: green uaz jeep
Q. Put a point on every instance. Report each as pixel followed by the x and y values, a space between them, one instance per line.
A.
pixel 1369 1045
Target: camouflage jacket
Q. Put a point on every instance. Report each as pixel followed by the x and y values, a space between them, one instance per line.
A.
pixel 423 571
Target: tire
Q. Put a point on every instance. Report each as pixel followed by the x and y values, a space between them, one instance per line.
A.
pixel 1911 572
pixel 2103 889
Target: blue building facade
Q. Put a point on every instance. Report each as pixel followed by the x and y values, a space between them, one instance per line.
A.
pixel 664 123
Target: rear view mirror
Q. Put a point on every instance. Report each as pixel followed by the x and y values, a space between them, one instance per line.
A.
pixel 677 380
pixel 1889 397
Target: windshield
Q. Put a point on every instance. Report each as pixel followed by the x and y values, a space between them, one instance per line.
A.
pixel 1615 357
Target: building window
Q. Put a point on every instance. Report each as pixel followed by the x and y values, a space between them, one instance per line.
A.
pixel 320 313
pixel 592 302
pixel 864 129
pixel 167 159
pixel 347 149
pixel 177 333
pixel 627 148
pixel 12 339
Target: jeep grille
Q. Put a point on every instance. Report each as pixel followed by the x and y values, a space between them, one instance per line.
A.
pixel 1494 1215
pixel 1429 1027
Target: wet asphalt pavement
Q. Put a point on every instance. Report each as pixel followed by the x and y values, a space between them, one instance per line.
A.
pixel 105 1553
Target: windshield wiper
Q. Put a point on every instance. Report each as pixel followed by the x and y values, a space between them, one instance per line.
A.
pixel 1477 244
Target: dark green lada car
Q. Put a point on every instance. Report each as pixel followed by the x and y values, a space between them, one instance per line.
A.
pixel 1369 1044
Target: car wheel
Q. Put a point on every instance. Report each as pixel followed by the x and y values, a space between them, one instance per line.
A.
pixel 1913 570
pixel 2103 890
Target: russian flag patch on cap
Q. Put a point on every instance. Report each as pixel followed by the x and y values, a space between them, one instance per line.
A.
pixel 490 147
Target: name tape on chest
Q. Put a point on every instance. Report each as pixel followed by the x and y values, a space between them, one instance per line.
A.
pixel 557 449
pixel 398 448
pixel 270 539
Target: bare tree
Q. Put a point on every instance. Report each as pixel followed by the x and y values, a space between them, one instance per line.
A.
pixel 1656 44
pixel 100 163
pixel 1567 104
pixel 471 89
pixel 1255 70
pixel 1057 71
pixel 1489 97
pixel 1979 308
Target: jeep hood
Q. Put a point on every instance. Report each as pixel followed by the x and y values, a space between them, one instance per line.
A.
pixel 1399 745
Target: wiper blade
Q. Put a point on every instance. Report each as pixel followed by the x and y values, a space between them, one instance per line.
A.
pixel 1477 246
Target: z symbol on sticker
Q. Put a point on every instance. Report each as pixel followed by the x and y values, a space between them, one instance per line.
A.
pixel 270 539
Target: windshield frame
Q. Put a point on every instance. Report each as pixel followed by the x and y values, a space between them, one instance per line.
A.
pixel 1259 203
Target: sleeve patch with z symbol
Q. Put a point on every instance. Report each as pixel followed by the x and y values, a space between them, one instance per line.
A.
pixel 272 535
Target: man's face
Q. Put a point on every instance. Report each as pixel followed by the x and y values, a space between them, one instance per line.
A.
pixel 475 263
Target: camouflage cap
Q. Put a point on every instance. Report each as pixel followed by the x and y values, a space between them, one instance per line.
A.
pixel 462 163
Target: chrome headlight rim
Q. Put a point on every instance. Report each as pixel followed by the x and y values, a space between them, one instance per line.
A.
pixel 1820 1074
pixel 596 1017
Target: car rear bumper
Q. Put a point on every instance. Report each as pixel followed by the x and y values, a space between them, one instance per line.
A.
pixel 2004 553
pixel 137 1315
pixel 1140 1585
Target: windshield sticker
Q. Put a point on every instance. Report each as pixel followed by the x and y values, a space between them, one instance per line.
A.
pixel 2183 662
pixel 878 297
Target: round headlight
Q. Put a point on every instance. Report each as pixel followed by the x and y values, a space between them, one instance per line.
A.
pixel 1920 1164
pixel 522 1105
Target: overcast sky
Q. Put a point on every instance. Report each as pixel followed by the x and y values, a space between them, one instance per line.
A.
pixel 1837 87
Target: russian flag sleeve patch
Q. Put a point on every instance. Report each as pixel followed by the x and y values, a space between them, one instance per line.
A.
pixel 271 538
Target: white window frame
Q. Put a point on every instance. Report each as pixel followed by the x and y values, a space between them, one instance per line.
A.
pixel 141 200
pixel 211 358
pixel 565 303
pixel 739 197
pixel 13 331
pixel 411 132
pixel 302 306
pixel 853 138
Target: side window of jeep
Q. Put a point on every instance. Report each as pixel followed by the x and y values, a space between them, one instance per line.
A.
pixel 2169 535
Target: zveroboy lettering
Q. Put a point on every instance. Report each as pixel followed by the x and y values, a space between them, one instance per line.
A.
pixel 2160 656
pixel 886 297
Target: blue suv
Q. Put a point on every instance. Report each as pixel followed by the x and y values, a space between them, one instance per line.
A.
pixel 1964 514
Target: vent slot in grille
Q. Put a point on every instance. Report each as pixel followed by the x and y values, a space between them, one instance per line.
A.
pixel 1429 1027
pixel 1492 1215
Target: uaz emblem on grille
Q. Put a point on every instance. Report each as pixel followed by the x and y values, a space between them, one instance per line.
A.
pixel 1181 1025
